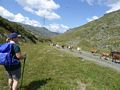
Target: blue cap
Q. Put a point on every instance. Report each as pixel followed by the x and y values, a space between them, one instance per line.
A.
pixel 13 35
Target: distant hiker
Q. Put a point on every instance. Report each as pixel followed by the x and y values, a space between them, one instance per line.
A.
pixel 14 70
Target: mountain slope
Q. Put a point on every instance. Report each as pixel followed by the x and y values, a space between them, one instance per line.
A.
pixel 40 31
pixel 7 27
pixel 103 33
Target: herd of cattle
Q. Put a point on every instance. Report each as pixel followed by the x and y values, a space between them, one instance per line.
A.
pixel 114 55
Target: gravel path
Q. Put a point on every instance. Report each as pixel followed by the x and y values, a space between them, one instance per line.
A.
pixel 95 58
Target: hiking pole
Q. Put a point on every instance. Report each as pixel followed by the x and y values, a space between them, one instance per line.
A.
pixel 22 72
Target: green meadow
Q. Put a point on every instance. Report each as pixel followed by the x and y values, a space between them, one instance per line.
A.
pixel 48 68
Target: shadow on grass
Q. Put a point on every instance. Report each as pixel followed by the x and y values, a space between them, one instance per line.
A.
pixel 34 85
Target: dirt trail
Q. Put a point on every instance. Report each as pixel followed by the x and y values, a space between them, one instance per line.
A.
pixel 95 58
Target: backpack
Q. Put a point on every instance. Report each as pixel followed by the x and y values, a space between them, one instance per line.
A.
pixel 6 57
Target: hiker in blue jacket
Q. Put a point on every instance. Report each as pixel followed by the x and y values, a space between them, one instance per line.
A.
pixel 14 71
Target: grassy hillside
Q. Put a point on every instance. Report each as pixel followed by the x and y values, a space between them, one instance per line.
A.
pixel 48 68
pixel 40 31
pixel 103 34
pixel 7 27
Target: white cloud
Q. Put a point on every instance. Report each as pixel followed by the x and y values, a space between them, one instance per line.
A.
pixel 93 18
pixel 47 14
pixel 90 2
pixel 41 8
pixel 112 4
pixel 113 7
pixel 57 28
pixel 17 18
pixel 5 13
pixel 28 9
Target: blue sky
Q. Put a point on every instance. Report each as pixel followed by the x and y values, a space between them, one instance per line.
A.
pixel 56 15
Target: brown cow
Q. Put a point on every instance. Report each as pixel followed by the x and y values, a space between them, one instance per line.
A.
pixel 105 55
pixel 93 51
pixel 115 56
